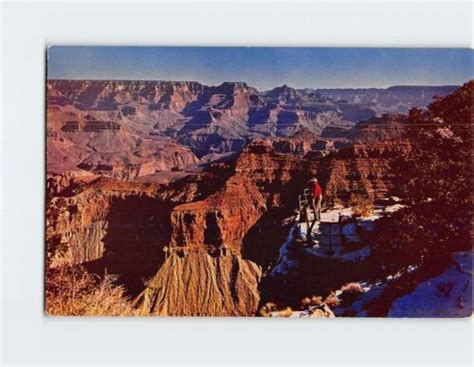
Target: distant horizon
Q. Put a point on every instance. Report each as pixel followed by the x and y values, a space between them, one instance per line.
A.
pixel 250 85
pixel 266 67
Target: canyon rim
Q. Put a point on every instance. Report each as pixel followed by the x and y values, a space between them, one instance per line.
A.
pixel 180 182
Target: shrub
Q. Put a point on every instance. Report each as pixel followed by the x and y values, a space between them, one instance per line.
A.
pixel 361 205
pixel 435 180
pixel 267 309
pixel 287 312
pixel 305 302
pixel 321 312
pixel 72 291
pixel 270 306
pixel 354 288
pixel 332 300
pixel 350 292
pixel 316 301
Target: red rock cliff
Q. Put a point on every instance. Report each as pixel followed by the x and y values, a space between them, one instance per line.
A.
pixel 367 170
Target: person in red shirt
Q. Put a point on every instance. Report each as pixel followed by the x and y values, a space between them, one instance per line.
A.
pixel 317 198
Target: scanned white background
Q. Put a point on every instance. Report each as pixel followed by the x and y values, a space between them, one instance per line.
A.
pixel 29 337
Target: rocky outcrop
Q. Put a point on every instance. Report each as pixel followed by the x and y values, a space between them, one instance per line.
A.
pixel 102 143
pixel 124 227
pixel 82 218
pixel 302 143
pixel 222 219
pixel 375 130
pixel 109 95
pixel 217 234
pixel 212 222
pixel 367 171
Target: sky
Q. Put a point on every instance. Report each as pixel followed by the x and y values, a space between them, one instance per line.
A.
pixel 266 68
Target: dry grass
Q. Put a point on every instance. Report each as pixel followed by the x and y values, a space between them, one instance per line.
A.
pixel 71 291
pixel 353 288
pixel 350 293
pixel 316 300
pixel 313 301
pixel 321 313
pixel 267 309
pixel 361 205
pixel 332 300
pixel 337 202
pixel 305 303
pixel 287 312
pixel 270 307
pixel 308 302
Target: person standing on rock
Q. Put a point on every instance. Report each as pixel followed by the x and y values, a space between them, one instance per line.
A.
pixel 317 198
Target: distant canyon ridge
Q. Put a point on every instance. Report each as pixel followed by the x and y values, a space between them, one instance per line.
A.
pixel 130 129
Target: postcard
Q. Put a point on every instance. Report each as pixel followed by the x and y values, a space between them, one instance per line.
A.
pixel 258 182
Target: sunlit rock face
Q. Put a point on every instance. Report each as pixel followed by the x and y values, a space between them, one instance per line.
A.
pixel 367 170
pixel 199 284
pixel 213 237
pixel 156 122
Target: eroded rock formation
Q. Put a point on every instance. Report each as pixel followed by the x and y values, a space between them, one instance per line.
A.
pixel 222 219
pixel 218 232
pixel 199 284
pixel 90 117
pixel 365 170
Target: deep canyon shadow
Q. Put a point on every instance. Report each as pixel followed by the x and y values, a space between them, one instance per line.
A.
pixel 138 229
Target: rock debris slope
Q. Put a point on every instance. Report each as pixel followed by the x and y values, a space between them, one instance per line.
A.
pixel 201 285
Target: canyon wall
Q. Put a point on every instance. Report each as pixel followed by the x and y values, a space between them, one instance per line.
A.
pixel 368 171
pixel 227 217
pixel 214 238
pixel 89 120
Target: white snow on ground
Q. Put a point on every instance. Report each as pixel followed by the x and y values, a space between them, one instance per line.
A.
pixel 368 225
pixel 393 208
pixel 357 255
pixel 349 231
pixel 284 263
pixel 446 295
pixel 332 236
pixel 371 291
pixel 328 239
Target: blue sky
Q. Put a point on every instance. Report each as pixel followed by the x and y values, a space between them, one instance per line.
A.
pixel 265 68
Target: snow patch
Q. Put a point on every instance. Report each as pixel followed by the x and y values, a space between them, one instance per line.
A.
pixel 358 255
pixel 446 295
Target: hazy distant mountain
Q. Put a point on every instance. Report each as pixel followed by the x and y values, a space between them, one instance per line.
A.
pixel 88 120
pixel 398 99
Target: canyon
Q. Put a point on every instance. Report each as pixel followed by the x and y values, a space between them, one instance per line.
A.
pixel 129 129
pixel 187 193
